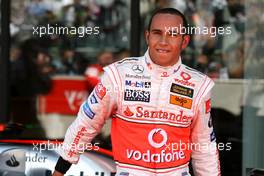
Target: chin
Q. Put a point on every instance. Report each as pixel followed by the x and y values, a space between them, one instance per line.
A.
pixel 164 64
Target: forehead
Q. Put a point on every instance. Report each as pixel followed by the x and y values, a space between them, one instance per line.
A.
pixel 161 20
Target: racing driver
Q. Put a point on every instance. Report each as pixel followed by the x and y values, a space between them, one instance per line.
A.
pixel 160 110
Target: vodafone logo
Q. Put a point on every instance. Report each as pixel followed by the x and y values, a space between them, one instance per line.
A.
pixel 185 79
pixel 156 155
pixel 151 137
pixel 185 76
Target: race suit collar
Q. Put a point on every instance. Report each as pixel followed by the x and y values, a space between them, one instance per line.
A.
pixel 161 71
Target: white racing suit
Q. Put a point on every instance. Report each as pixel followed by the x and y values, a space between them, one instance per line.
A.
pixel 160 119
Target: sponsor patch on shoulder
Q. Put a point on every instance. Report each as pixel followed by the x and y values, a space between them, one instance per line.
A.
pixel 181 101
pixel 93 99
pixel 100 90
pixel 208 106
pixel 178 89
pixel 87 110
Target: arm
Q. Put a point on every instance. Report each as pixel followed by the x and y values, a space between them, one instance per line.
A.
pixel 56 173
pixel 91 117
pixel 204 152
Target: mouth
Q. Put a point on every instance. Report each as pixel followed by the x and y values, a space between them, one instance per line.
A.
pixel 162 50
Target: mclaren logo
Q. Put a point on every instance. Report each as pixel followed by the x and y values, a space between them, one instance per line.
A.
pixel 138 68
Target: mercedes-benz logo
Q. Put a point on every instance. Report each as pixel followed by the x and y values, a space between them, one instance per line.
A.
pixel 138 68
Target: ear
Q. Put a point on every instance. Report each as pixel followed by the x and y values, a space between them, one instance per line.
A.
pixel 185 41
pixel 147 36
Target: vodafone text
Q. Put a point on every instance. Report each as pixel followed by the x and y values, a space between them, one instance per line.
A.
pixel 161 157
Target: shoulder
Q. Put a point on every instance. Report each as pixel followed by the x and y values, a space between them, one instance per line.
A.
pixel 128 60
pixel 125 63
pixel 195 79
pixel 194 74
pixel 119 68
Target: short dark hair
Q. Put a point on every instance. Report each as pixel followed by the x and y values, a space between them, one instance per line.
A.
pixel 171 11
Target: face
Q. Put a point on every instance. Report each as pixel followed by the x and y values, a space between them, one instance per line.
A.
pixel 165 44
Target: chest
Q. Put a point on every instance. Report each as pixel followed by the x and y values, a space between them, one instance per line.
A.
pixel 162 100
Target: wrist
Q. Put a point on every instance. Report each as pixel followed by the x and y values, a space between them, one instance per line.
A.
pixel 62 165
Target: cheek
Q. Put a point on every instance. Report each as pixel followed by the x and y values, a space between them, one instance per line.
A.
pixel 177 44
pixel 153 40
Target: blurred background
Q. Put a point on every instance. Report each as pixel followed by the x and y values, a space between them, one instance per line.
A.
pixel 44 78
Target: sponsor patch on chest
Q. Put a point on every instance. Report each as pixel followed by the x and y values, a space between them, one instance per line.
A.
pixel 181 90
pixel 138 84
pixel 137 95
pixel 181 101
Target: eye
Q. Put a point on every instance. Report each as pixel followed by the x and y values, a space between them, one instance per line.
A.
pixel 173 33
pixel 156 32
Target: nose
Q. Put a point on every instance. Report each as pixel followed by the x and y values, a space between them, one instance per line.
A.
pixel 163 40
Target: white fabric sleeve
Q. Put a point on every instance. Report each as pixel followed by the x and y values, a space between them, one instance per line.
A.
pixel 90 119
pixel 205 160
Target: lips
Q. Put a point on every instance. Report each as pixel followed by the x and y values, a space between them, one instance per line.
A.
pixel 162 50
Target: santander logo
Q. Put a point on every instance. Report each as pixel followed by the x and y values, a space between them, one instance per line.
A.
pixel 144 113
pixel 128 112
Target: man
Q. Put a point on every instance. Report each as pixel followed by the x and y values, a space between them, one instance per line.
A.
pixel 160 109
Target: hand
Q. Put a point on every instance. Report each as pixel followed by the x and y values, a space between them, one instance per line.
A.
pixel 56 173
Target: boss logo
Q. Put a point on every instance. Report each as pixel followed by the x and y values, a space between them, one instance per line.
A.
pixel 137 95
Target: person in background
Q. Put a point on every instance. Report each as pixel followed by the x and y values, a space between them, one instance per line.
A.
pixel 94 72
pixel 70 62
pixel 30 76
pixel 121 54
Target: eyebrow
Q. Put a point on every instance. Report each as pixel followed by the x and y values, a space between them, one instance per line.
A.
pixel 171 31
pixel 156 30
